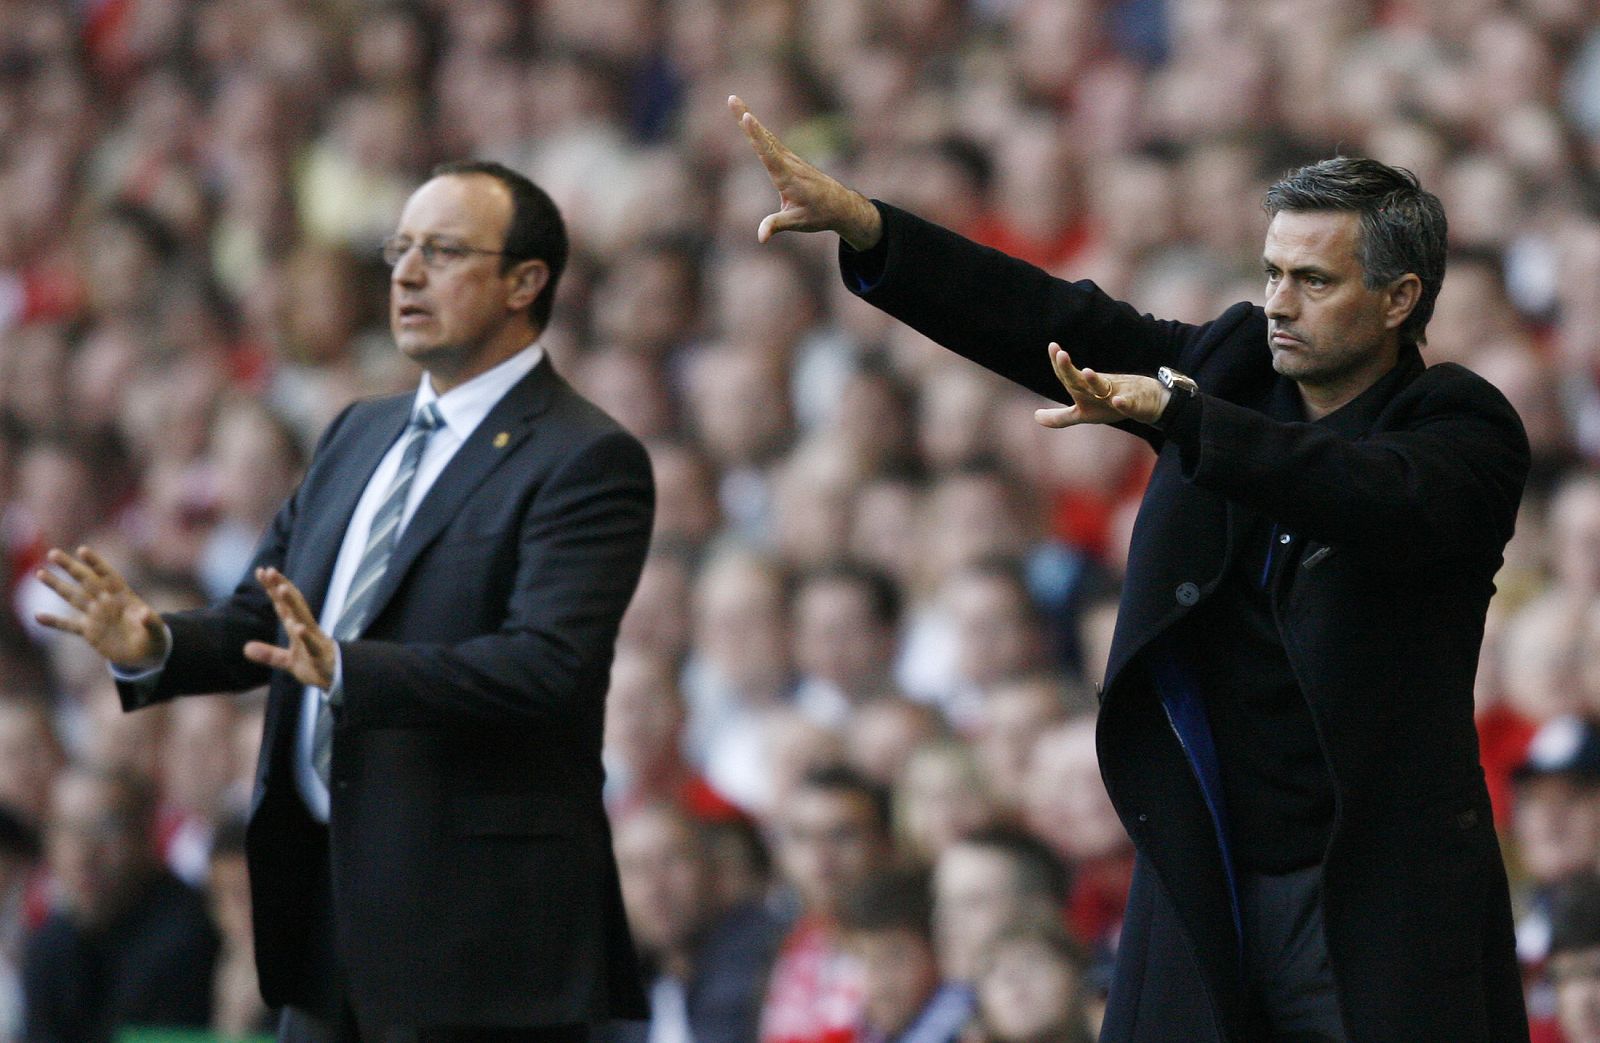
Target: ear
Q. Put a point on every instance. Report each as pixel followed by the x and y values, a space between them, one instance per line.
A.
pixel 1403 295
pixel 529 279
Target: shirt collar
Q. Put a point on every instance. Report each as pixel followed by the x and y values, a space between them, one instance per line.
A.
pixel 463 408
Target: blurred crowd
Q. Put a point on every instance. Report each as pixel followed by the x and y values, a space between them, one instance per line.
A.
pixel 850 733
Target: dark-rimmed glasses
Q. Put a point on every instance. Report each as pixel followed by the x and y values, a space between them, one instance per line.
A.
pixel 436 253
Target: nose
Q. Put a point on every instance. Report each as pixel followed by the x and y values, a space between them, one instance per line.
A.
pixel 1281 300
pixel 408 271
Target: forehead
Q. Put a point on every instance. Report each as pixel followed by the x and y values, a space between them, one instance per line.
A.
pixel 965 867
pixel 833 593
pixel 81 796
pixel 466 206
pixel 1312 238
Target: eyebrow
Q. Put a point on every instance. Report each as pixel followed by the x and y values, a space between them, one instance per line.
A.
pixel 1302 270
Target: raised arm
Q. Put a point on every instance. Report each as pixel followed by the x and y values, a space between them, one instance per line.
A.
pixel 996 310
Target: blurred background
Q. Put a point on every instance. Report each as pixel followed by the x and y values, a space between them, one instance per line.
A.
pixel 850 738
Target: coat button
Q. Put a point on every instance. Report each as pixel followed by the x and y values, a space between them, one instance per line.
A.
pixel 1285 539
pixel 1144 818
pixel 1187 594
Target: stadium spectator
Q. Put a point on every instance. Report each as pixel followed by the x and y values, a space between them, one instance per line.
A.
pixel 1031 988
pixel 888 926
pixel 707 963
pixel 129 943
pixel 985 882
pixel 834 832
pixel 1555 822
pixel 1574 965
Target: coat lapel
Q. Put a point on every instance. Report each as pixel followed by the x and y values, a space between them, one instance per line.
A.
pixel 508 424
pixel 325 526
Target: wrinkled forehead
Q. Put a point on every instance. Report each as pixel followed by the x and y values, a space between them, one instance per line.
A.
pixel 1325 238
pixel 474 208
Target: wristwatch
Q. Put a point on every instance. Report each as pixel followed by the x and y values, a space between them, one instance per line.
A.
pixel 1183 389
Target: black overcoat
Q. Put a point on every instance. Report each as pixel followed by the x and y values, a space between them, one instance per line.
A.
pixel 1397 509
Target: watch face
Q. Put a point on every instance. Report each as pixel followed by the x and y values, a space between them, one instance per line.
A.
pixel 1172 380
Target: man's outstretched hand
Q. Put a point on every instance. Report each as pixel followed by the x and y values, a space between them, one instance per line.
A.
pixel 309 655
pixel 115 621
pixel 808 199
pixel 1102 398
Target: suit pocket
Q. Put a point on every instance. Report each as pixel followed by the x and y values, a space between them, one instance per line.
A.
pixel 513 815
pixel 1318 554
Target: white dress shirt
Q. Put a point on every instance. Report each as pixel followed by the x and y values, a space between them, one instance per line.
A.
pixel 463 409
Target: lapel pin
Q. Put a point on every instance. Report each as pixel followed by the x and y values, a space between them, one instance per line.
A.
pixel 501 439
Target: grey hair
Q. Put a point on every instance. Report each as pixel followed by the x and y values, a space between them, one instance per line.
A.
pixel 1403 226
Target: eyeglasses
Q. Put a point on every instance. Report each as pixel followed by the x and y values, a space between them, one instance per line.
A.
pixel 436 253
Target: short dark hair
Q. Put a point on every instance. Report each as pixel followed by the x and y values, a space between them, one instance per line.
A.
pixel 536 232
pixel 888 900
pixel 841 778
pixel 1039 870
pixel 883 595
pixel 1575 914
pixel 1403 227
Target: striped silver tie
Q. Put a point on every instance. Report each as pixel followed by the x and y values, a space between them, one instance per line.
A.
pixel 381 538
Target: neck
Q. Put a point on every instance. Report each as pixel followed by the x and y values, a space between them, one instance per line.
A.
pixel 1325 397
pixel 446 377
pixel 678 962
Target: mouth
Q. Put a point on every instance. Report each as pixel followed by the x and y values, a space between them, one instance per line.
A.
pixel 1285 339
pixel 411 314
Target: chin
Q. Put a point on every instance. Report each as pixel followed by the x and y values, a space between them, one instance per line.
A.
pixel 418 350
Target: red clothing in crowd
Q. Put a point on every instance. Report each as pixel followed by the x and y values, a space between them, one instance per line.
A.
pixel 814 994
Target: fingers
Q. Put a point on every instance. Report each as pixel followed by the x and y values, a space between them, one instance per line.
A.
pixel 772 224
pixel 1098 386
pixel 72 566
pixel 1058 417
pixel 286 597
pixel 54 622
pixel 268 655
pixel 72 593
pixel 1081 383
pixel 768 148
pixel 103 571
pixel 1070 376
pixel 308 655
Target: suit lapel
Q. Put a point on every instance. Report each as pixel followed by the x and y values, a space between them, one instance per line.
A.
pixel 330 517
pixel 508 424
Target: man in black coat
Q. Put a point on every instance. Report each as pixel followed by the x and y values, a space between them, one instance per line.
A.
pixel 128 943
pixel 1286 722
pixel 435 609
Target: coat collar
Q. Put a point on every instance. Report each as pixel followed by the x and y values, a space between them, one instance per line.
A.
pixel 506 427
pixel 1359 415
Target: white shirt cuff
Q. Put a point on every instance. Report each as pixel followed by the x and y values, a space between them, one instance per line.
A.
pixel 147 673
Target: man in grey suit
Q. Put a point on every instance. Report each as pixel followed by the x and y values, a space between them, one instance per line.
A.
pixel 435 609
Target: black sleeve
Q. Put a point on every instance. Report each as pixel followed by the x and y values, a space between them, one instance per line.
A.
pixel 1001 312
pixel 1446 481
